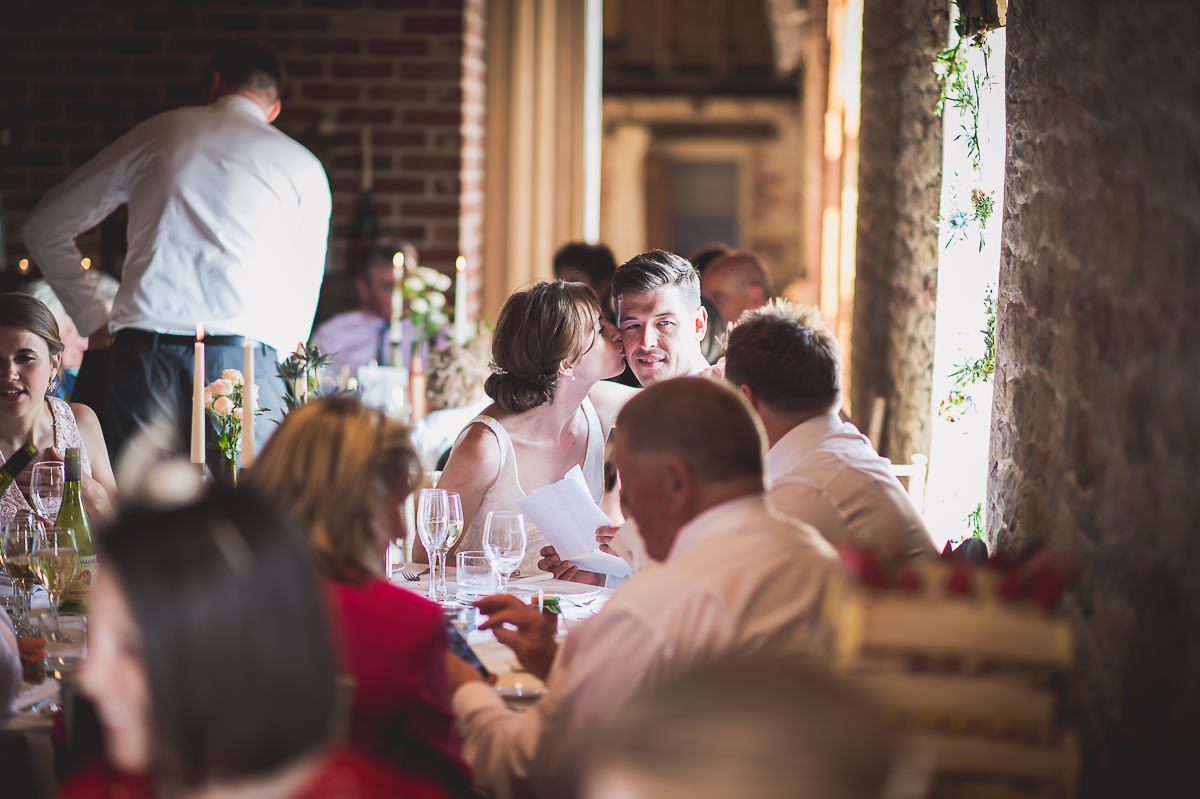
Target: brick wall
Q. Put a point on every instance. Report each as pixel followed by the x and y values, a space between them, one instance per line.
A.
pixel 78 75
pixel 899 184
pixel 1095 442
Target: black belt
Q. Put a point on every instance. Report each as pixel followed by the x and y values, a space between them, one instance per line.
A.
pixel 152 338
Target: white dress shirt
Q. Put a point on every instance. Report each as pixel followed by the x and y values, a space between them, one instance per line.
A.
pixel 228 224
pixel 826 473
pixel 739 578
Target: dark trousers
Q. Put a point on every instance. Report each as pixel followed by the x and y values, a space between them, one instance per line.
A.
pixel 150 377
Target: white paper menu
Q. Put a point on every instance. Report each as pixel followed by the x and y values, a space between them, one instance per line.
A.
pixel 566 514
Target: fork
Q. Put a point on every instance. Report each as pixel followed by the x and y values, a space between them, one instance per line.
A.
pixel 412 577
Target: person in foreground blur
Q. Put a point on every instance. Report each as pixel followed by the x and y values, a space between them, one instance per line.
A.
pixel 355 338
pixel 727 575
pixel 10 666
pixel 344 471
pixel 593 264
pixel 821 470
pixel 30 366
pixel 211 664
pixel 551 352
pixel 754 728
pixel 736 282
pixel 228 223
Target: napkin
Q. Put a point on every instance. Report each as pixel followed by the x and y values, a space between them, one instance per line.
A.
pixel 567 515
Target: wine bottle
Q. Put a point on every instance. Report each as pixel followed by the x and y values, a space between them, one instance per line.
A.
pixel 72 516
pixel 15 465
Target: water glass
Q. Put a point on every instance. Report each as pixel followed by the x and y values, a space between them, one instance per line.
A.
pixel 474 576
pixel 16 552
pixel 504 542
pixel 433 527
pixel 46 488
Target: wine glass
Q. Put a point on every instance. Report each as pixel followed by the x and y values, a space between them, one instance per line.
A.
pixel 454 528
pixel 16 548
pixel 55 561
pixel 46 488
pixel 432 527
pixel 504 542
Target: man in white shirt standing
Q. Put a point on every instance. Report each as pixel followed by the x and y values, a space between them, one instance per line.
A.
pixel 820 470
pixel 228 225
pixel 726 575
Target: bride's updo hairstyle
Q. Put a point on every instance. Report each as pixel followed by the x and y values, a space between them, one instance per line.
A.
pixel 539 329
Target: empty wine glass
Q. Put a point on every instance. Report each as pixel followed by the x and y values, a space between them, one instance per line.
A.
pixel 16 549
pixel 55 561
pixel 504 543
pixel 46 488
pixel 432 525
pixel 454 527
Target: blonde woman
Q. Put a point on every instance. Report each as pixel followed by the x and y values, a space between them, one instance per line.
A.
pixel 344 470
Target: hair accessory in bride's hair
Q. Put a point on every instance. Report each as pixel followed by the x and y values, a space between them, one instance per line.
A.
pixel 496 368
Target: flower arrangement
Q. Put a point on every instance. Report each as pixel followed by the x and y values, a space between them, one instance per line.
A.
pixel 300 372
pixel 424 292
pixel 223 400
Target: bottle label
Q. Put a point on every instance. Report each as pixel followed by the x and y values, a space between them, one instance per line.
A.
pixel 81 587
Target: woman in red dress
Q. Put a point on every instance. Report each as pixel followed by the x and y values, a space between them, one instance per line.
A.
pixel 344 470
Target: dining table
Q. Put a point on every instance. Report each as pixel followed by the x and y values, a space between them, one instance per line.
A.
pixel 577 602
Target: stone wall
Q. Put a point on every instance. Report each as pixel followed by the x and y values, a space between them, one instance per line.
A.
pixel 899 185
pixel 1095 424
pixel 78 75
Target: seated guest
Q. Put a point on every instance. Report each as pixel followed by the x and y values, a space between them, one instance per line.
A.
pixel 593 264
pixel 704 256
pixel 31 359
pixel 344 470
pixel 455 396
pixel 551 352
pixel 728 575
pixel 736 282
pixel 821 470
pixel 357 337
pixel 660 316
pixel 754 728
pixel 211 665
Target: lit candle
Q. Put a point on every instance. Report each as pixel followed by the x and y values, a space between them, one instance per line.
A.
pixel 368 180
pixel 395 331
pixel 248 404
pixel 198 398
pixel 462 328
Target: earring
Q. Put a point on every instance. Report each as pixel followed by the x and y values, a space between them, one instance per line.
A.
pixel 52 388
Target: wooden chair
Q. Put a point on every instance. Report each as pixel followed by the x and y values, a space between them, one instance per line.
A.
pixel 914 477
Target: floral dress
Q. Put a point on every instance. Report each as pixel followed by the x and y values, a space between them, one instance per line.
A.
pixel 66 435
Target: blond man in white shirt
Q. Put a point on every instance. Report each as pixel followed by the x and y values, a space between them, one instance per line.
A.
pixel 726 575
pixel 820 470
pixel 228 224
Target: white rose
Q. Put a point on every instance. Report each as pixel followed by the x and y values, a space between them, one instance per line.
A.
pixel 419 305
pixel 221 387
pixel 414 283
pixel 222 406
pixel 437 318
pixel 443 282
pixel 233 376
pixel 237 413
pixel 429 274
pixel 437 300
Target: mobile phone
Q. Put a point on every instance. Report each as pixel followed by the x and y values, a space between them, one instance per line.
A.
pixel 459 646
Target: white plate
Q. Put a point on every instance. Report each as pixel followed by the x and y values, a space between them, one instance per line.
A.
pixel 520 686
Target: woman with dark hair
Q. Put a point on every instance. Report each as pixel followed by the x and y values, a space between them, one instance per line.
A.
pixel 211 664
pixel 552 351
pixel 344 471
pixel 30 369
